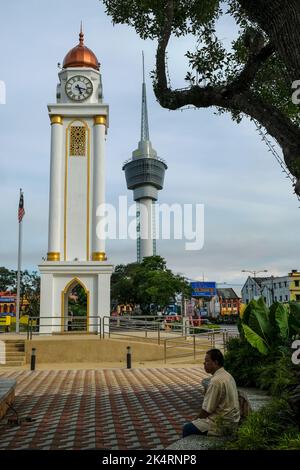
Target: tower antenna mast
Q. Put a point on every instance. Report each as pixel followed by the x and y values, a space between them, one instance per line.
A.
pixel 144 117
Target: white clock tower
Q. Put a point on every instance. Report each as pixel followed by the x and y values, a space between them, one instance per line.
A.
pixel 76 252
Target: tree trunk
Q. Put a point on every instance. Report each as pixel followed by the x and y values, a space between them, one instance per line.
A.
pixel 280 19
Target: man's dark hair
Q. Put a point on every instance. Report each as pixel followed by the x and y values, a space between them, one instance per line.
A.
pixel 216 356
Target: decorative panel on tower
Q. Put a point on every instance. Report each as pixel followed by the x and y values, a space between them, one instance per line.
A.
pixel 77 141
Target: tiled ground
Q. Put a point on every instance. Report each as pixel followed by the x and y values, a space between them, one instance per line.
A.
pixel 101 409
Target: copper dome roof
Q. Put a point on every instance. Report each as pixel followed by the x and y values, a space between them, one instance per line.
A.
pixel 81 56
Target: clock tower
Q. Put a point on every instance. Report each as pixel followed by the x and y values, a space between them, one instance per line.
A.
pixel 76 250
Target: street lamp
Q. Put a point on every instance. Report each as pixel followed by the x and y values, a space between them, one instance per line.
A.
pixel 254 272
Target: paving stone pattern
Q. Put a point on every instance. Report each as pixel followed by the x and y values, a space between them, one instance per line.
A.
pixel 101 409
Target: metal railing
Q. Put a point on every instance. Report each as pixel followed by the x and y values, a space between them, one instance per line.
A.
pixel 137 327
pixel 195 344
pixel 179 337
pixel 64 325
pixel 143 158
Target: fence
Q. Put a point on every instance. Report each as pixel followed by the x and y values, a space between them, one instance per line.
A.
pixel 195 344
pixel 152 328
pixel 64 325
pixel 137 327
pixel 179 338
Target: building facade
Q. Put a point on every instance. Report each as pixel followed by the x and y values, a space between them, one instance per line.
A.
pixel 229 302
pixel 273 289
pixel 7 303
pixel 294 280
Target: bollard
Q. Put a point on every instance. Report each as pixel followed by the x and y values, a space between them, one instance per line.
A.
pixel 33 356
pixel 128 357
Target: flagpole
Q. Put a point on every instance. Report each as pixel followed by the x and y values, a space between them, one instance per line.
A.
pixel 19 275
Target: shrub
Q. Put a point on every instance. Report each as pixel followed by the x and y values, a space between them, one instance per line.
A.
pixel 242 361
pixel 276 377
pixel 289 441
pixel 264 429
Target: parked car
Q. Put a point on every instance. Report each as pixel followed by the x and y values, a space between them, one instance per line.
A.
pixel 172 317
pixel 205 321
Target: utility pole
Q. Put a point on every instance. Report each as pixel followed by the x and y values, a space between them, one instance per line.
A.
pixel 254 272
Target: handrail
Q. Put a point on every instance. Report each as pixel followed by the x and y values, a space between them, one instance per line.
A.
pixel 91 324
pixel 143 158
pixel 118 324
pixel 192 343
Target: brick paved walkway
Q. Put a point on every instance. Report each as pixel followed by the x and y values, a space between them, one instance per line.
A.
pixel 101 409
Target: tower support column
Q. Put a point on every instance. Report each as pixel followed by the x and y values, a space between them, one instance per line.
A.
pixel 98 239
pixel 55 197
pixel 146 227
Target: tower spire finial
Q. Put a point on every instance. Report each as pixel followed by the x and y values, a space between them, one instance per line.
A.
pixel 81 35
pixel 144 120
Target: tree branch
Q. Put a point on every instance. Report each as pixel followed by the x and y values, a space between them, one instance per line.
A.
pixel 161 85
pixel 246 77
pixel 235 96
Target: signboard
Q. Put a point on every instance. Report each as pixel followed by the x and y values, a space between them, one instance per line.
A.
pixel 5 321
pixel 204 289
pixel 8 300
pixel 189 308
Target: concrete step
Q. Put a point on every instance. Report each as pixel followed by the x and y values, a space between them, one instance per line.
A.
pixel 13 363
pixel 15 348
pixel 15 357
pixel 14 353
pixel 14 341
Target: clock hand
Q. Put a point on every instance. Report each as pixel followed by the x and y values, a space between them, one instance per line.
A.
pixel 79 88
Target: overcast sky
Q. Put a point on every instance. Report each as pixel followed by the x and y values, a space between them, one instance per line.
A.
pixel 251 215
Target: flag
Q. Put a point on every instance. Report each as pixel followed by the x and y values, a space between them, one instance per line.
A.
pixel 21 211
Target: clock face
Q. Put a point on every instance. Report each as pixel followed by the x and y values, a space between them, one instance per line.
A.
pixel 79 88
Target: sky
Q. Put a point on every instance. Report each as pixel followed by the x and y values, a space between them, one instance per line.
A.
pixel 251 214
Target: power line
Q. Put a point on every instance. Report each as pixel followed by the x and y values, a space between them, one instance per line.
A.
pixel 265 138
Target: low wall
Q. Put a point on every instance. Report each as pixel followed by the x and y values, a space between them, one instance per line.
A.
pixel 90 350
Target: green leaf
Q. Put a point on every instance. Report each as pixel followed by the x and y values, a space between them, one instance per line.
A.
pixel 255 340
pixel 282 320
pixel 294 317
pixel 295 311
pixel 256 316
pixel 248 310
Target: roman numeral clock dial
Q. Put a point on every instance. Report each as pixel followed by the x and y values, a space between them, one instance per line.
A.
pixel 79 88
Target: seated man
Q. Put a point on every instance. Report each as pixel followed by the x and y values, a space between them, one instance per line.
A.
pixel 220 412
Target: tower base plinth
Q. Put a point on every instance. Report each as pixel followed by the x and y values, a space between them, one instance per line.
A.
pixel 58 279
